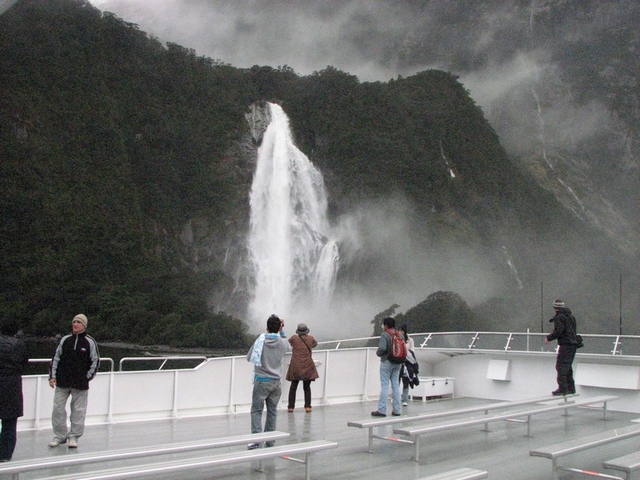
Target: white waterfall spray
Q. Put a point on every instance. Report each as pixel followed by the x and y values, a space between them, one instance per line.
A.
pixel 294 260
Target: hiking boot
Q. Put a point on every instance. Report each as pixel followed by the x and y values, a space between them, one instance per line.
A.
pixel 73 443
pixel 378 414
pixel 57 442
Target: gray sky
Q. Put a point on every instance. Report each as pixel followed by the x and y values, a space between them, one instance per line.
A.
pixel 349 35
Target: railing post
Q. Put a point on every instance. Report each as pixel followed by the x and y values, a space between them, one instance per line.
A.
pixel 365 387
pixel 232 384
pixel 111 392
pixel 36 423
pixel 175 394
pixel 325 400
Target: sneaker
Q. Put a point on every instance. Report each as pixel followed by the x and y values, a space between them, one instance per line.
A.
pixel 378 414
pixel 307 409
pixel 73 443
pixel 404 404
pixel 396 414
pixel 56 442
pixel 253 446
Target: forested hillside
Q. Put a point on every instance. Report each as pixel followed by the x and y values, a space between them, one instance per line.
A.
pixel 122 158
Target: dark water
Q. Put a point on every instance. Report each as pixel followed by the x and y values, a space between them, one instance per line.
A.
pixel 45 348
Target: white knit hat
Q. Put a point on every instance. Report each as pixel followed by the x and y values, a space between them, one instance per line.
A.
pixel 82 318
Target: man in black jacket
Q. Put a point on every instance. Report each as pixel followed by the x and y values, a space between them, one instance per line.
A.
pixel 564 331
pixel 74 364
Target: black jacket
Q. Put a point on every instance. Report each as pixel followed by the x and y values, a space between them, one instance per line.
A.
pixel 13 358
pixel 564 328
pixel 75 362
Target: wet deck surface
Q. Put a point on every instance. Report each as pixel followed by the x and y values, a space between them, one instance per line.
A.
pixel 503 452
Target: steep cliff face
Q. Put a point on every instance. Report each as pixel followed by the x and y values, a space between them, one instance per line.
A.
pixel 127 190
pixel 558 80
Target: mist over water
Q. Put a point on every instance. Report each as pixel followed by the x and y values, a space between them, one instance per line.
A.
pixel 292 254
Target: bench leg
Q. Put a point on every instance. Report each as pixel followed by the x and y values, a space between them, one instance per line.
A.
pixel 307 466
pixel 370 439
pixel 416 448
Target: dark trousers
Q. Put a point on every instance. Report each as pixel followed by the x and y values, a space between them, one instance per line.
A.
pixel 306 387
pixel 8 438
pixel 566 353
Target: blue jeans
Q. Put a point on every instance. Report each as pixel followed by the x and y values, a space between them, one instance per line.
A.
pixel 389 374
pixel 265 392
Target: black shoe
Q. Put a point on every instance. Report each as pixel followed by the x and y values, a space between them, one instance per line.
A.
pixel 396 414
pixel 378 414
pixel 558 392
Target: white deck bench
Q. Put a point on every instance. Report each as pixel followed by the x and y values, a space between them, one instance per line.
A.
pixel 458 474
pixel 170 467
pixel 559 450
pixel 22 466
pixel 628 464
pixel 416 431
pixel 373 422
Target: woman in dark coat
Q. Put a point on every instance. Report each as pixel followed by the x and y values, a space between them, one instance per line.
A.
pixel 13 359
pixel 302 366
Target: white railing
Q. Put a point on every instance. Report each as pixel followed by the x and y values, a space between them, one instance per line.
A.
pixel 348 372
pixel 595 344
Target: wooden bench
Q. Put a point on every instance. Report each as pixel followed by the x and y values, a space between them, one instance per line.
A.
pixel 373 422
pixel 415 432
pixel 559 450
pixel 458 474
pixel 23 466
pixel 627 464
pixel 167 469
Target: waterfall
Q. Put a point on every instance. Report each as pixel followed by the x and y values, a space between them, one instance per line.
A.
pixel 293 259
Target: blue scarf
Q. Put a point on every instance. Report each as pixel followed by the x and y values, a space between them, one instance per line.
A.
pixel 256 353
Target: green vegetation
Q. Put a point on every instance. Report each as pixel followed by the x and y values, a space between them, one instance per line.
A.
pixel 112 144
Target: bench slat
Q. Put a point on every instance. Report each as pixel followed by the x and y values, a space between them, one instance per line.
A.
pixel 571 446
pixel 103 456
pixel 627 463
pixel 458 474
pixel 378 422
pixel 469 421
pixel 202 462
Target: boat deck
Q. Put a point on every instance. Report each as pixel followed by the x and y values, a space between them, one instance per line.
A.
pixel 503 452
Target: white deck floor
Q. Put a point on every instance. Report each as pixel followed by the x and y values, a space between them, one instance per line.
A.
pixel 503 452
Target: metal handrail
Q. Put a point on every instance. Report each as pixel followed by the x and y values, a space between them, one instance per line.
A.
pixel 48 360
pixel 164 360
pixel 595 344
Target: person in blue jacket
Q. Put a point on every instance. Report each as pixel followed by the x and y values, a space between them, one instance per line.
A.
pixel 267 356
